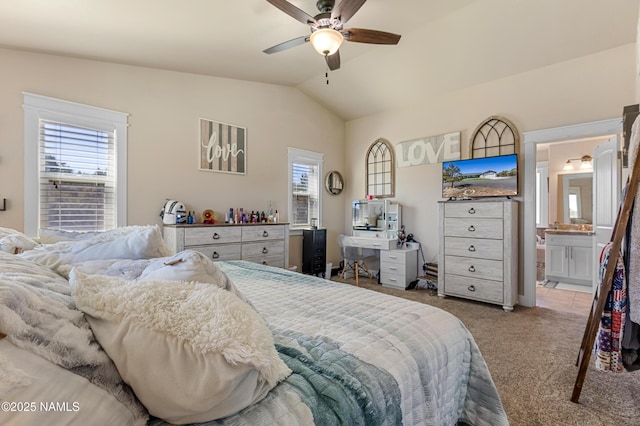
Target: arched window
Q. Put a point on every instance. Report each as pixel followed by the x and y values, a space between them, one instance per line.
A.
pixel 494 136
pixel 380 167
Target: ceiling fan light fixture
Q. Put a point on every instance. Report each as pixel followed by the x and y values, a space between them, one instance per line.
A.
pixel 326 41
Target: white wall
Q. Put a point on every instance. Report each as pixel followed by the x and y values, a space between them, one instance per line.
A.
pixel 586 89
pixel 164 110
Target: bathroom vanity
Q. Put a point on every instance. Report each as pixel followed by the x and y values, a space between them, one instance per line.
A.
pixel 569 256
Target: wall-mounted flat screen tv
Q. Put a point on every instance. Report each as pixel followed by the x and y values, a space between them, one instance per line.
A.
pixel 480 177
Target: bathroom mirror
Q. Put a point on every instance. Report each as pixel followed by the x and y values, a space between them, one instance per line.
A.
pixel 575 200
pixel 334 183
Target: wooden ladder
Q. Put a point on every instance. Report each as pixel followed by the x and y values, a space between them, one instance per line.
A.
pixel 600 297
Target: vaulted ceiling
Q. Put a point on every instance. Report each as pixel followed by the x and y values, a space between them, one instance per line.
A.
pixel 446 45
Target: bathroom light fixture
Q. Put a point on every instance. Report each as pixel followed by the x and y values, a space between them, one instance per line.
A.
pixel 326 41
pixel 585 162
pixel 582 163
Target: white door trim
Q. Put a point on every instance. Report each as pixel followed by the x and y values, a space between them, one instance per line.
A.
pixel 530 140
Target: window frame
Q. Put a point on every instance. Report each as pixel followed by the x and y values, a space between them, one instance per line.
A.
pixel 372 158
pixel 296 155
pixel 37 108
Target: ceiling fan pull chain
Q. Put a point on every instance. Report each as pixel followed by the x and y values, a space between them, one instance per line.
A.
pixel 326 75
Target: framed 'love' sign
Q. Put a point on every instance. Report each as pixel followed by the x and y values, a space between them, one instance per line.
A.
pixel 223 147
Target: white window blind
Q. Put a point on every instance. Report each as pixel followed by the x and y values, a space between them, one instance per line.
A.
pixel 305 194
pixel 305 173
pixel 77 177
pixel 75 165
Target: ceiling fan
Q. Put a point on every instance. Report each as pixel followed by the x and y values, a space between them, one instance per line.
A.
pixel 327 32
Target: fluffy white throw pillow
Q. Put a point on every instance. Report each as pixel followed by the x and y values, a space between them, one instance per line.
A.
pixel 192 352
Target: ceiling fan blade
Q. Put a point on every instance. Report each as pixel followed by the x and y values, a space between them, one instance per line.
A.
pixel 360 35
pixel 333 61
pixel 346 9
pixel 293 11
pixel 287 45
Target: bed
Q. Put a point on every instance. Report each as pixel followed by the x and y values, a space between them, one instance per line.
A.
pixel 113 327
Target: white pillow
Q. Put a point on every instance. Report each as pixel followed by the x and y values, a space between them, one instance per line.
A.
pixel 7 231
pixel 51 236
pixel 189 265
pixel 129 242
pixel 16 243
pixel 192 352
pixel 37 381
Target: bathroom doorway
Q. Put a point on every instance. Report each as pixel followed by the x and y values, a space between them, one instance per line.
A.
pixel 559 141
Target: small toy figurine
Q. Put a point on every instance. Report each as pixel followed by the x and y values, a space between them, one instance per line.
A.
pixel 207 217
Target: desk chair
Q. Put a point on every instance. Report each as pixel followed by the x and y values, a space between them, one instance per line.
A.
pixel 353 259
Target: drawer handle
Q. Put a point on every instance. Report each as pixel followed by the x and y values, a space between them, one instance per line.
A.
pixel 264 262
pixel 393 269
pixel 472 248
pixel 265 234
pixel 215 255
pixel 472 268
pixel 216 236
pixel 471 228
pixel 472 211
pixel 471 288
pixel 265 250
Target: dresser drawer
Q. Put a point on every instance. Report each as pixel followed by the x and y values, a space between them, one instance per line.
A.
pixel 262 248
pixel 472 210
pixel 211 235
pixel 474 268
pixel 474 247
pixel 220 251
pixel 258 233
pixel 474 228
pixel 393 256
pixel 271 259
pixel 473 288
pixel 393 274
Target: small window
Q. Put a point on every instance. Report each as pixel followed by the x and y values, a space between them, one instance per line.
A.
pixel 575 203
pixel 380 170
pixel 75 162
pixel 305 180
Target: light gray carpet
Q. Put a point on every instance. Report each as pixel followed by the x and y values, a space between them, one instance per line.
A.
pixel 531 353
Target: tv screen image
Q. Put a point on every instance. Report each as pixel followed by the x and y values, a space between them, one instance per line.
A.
pixel 480 177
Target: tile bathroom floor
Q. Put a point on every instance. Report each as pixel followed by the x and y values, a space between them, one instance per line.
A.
pixel 564 300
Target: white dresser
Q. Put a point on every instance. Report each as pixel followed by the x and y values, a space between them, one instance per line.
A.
pixel 478 256
pixel 398 267
pixel 260 243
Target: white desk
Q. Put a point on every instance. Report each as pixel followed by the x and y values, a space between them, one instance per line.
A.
pixel 398 267
pixel 370 242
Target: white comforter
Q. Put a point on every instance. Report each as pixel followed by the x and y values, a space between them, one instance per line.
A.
pixel 426 355
pixel 442 376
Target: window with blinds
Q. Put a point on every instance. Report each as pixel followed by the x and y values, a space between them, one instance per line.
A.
pixel 305 180
pixel 75 163
pixel 77 177
pixel 304 196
